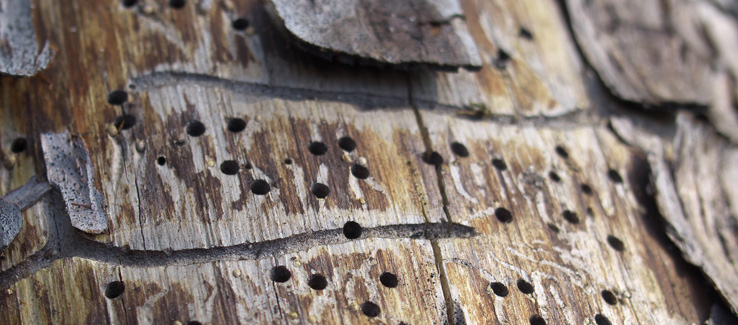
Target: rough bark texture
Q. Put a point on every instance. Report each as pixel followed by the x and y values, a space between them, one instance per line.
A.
pixel 207 168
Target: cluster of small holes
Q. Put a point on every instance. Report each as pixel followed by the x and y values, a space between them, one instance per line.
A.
pixel 525 287
pixel 503 215
pixel 615 243
pixel 124 122
pixel 571 217
pixel 602 320
pixel 459 149
pixel 19 145
pixel 370 309
pixel 260 187
pixel 229 167
pixel 432 158
pixel 240 24
pixel 499 164
pixel 177 4
pixel 236 125
pixel 195 128
pixel 352 230
pixel 317 282
pixel 117 97
pixel 499 289
pixel 388 280
pixel 317 148
pixel 280 274
pixel 114 289
pixel 609 297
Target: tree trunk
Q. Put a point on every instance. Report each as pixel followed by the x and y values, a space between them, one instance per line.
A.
pixel 248 162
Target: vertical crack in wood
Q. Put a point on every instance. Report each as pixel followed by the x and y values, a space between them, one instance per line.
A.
pixel 437 255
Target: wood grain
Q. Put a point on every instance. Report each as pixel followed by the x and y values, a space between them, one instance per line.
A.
pixel 211 108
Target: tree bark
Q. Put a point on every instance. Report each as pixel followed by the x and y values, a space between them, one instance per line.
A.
pixel 220 162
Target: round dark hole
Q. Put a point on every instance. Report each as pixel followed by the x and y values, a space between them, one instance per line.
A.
pixel 195 128
pixel 248 165
pixel 229 167
pixel 317 282
pixel 562 152
pixel 553 227
pixel 525 287
pixel 614 176
pixel 193 322
pixel 360 171
pixel 615 243
pixel 114 289
pixel 571 217
pixel 554 177
pixel 459 149
pixel 280 274
pixel 525 33
pixel 288 161
pixel 320 190
pixel 176 4
pixel 352 230
pixel 609 297
pixel 346 143
pixel 504 215
pixel 602 320
pixel 117 97
pixel 499 289
pixel 236 125
pixel 161 161
pixel 260 187
pixel 19 145
pixel 586 189
pixel 124 122
pixel 129 3
pixel 370 309
pixel 389 280
pixel 317 148
pixel 499 164
pixel 537 320
pixel 240 24
pixel 432 158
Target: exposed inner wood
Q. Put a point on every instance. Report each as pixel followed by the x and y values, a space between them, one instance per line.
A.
pixel 245 180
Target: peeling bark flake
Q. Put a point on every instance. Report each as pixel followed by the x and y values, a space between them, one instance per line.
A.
pixel 430 32
pixel 19 53
pixel 70 171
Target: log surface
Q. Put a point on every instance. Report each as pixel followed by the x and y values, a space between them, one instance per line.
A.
pixel 244 179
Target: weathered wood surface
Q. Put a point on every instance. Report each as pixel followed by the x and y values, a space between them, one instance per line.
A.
pixel 639 49
pixel 432 32
pixel 228 156
pixel 19 48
